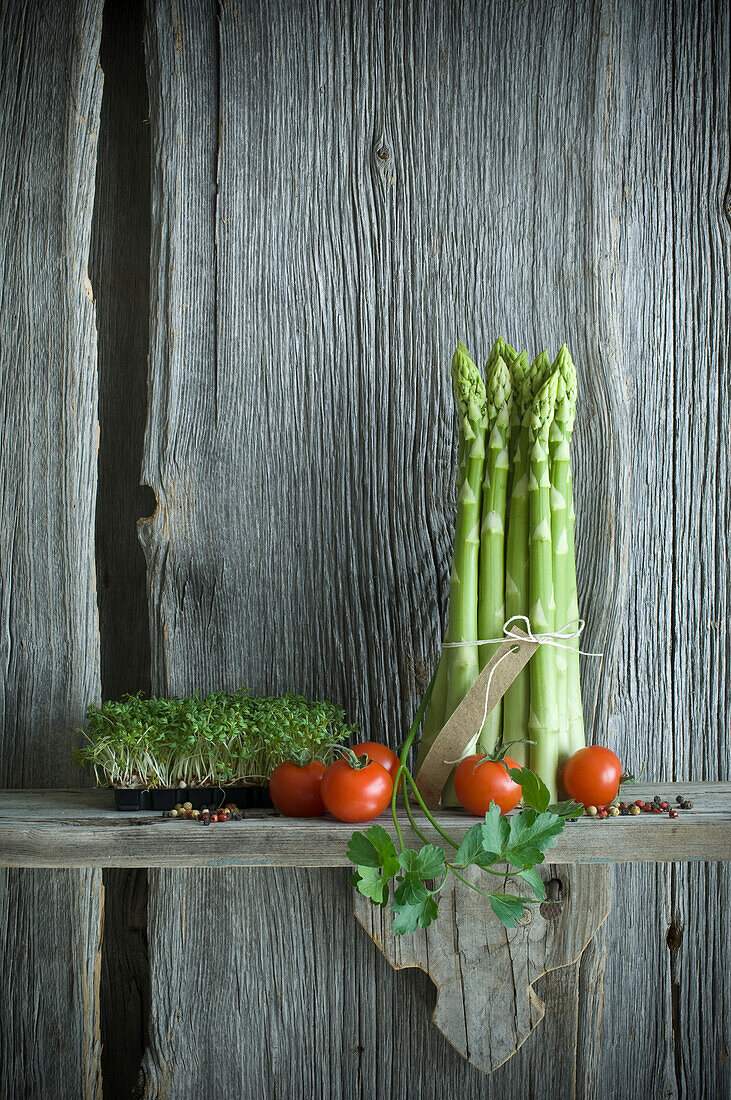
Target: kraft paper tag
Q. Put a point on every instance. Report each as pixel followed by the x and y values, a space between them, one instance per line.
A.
pixel 464 725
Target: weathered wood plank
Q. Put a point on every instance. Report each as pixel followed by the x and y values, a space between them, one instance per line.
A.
pixel 698 937
pixel 75 806
pixel 81 829
pixel 377 196
pixel 50 92
pixel 51 931
pixel 670 136
pixel 479 967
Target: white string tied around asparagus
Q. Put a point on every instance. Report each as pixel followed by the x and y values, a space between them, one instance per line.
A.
pixel 571 632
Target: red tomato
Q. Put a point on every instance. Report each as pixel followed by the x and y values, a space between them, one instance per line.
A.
pixel 477 786
pixel 384 756
pixel 591 776
pixel 356 794
pixel 295 790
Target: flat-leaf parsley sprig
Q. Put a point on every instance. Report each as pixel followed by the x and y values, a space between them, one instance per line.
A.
pixel 412 879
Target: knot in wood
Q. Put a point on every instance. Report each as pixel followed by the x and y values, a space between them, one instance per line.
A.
pixel 674 935
pixel 552 907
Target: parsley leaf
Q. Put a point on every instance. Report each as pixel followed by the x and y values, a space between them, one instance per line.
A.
pixel 470 848
pixel 428 862
pixel 531 835
pixel 371 848
pixel 495 832
pixel 507 908
pixel 535 792
pixel 534 880
pixel 372 884
pixel 374 853
pixel 413 906
pixel 567 809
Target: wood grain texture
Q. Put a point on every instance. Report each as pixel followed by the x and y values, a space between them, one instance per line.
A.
pixel 670 137
pixel 368 183
pixel 51 930
pixel 374 1023
pixel 479 967
pixel 49 647
pixel 81 829
pixel 50 92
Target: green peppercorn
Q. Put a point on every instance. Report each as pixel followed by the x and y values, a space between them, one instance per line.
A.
pixel 635 810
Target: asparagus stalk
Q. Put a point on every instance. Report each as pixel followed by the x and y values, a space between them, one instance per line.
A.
pixel 575 708
pixel 526 384
pixel 463 662
pixel 559 459
pixel 501 348
pixel 519 370
pixel 543 719
pixel 458 668
pixel 491 594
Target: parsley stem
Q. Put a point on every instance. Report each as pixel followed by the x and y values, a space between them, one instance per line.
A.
pixel 412 820
pixel 487 893
pixel 438 889
pixel 487 870
pixel 404 754
pixel 427 813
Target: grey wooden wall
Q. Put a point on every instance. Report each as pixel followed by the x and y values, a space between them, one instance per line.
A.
pixel 338 192
pixel 50 922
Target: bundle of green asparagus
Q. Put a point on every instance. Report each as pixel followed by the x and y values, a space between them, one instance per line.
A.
pixel 514 554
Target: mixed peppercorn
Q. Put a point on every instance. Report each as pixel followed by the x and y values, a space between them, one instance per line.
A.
pixel 623 809
pixel 207 816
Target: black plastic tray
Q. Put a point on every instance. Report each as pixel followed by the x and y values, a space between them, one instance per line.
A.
pixel 165 798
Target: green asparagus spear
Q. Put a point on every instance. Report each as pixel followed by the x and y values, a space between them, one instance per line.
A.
pixel 543 720
pixel 526 384
pixel 575 709
pixel 458 668
pixel 463 662
pixel 491 595
pixel 560 470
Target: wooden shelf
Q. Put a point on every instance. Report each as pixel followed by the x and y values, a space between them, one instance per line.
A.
pixel 81 828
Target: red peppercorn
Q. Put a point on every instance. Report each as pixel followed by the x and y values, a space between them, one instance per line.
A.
pixel 639 803
pixel 657 810
pixel 214 817
pixel 663 805
pixel 223 817
pixel 647 807
pixel 602 814
pixel 673 813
